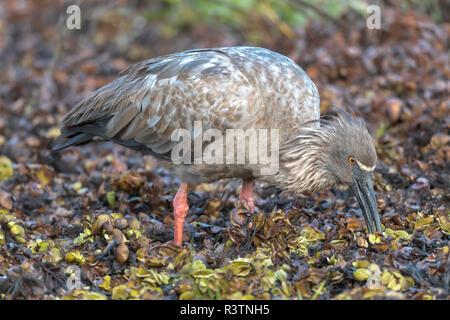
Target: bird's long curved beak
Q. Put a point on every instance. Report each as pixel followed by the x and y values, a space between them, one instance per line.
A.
pixel 362 187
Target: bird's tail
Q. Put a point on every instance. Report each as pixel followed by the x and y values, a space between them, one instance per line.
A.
pixel 76 139
pixel 78 135
pixel 85 133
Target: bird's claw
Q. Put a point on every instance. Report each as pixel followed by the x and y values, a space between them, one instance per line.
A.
pixel 242 227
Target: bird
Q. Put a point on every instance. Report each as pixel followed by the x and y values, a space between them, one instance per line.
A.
pixel 212 92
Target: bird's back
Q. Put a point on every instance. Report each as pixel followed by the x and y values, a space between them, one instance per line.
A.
pixel 224 88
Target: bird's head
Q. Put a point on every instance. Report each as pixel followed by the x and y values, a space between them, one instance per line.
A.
pixel 352 158
pixel 338 151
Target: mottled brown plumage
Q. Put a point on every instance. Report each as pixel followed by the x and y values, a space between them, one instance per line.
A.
pixel 226 88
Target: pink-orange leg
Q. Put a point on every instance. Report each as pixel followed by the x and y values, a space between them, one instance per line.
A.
pixel 247 193
pixel 180 210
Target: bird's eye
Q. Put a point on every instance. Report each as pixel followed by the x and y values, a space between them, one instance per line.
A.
pixel 351 160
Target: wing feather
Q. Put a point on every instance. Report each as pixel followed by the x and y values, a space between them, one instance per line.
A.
pixel 223 87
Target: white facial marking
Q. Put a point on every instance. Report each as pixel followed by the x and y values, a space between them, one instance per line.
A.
pixel 364 167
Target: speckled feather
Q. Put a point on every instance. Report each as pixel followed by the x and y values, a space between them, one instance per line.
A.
pixel 230 87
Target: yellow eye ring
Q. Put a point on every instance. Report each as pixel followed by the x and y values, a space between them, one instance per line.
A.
pixel 351 160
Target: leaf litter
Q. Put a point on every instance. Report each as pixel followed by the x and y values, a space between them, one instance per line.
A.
pixel 107 210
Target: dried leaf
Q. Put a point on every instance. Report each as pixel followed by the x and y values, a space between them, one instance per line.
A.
pixel 122 253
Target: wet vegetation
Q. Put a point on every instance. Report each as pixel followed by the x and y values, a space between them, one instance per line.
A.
pixel 96 222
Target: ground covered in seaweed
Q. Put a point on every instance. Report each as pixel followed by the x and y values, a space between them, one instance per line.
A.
pixel 96 222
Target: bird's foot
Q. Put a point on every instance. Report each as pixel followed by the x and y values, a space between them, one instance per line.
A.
pixel 242 227
pixel 247 194
pixel 180 210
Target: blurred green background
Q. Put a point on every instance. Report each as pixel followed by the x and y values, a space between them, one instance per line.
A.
pixel 123 25
pixel 285 15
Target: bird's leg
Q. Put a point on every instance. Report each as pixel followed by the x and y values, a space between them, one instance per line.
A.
pixel 242 226
pixel 247 194
pixel 180 210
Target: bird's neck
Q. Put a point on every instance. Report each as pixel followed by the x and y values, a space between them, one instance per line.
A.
pixel 303 162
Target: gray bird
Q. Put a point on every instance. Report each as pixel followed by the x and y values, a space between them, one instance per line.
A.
pixel 211 92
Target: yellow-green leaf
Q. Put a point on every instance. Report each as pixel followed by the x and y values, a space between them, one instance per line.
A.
pixel 16 229
pixel 374 238
pixel 386 277
pixel 6 168
pixel 312 234
pixel 444 223
pixel 111 197
pixel 106 283
pixel 55 255
pixel 86 295
pixel 44 175
pixel 362 274
pixel 120 292
pixel 75 256
pixel 398 234
pixel 361 264
pixel 76 186
pixel 423 222
pixel 187 295
pixel 240 267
